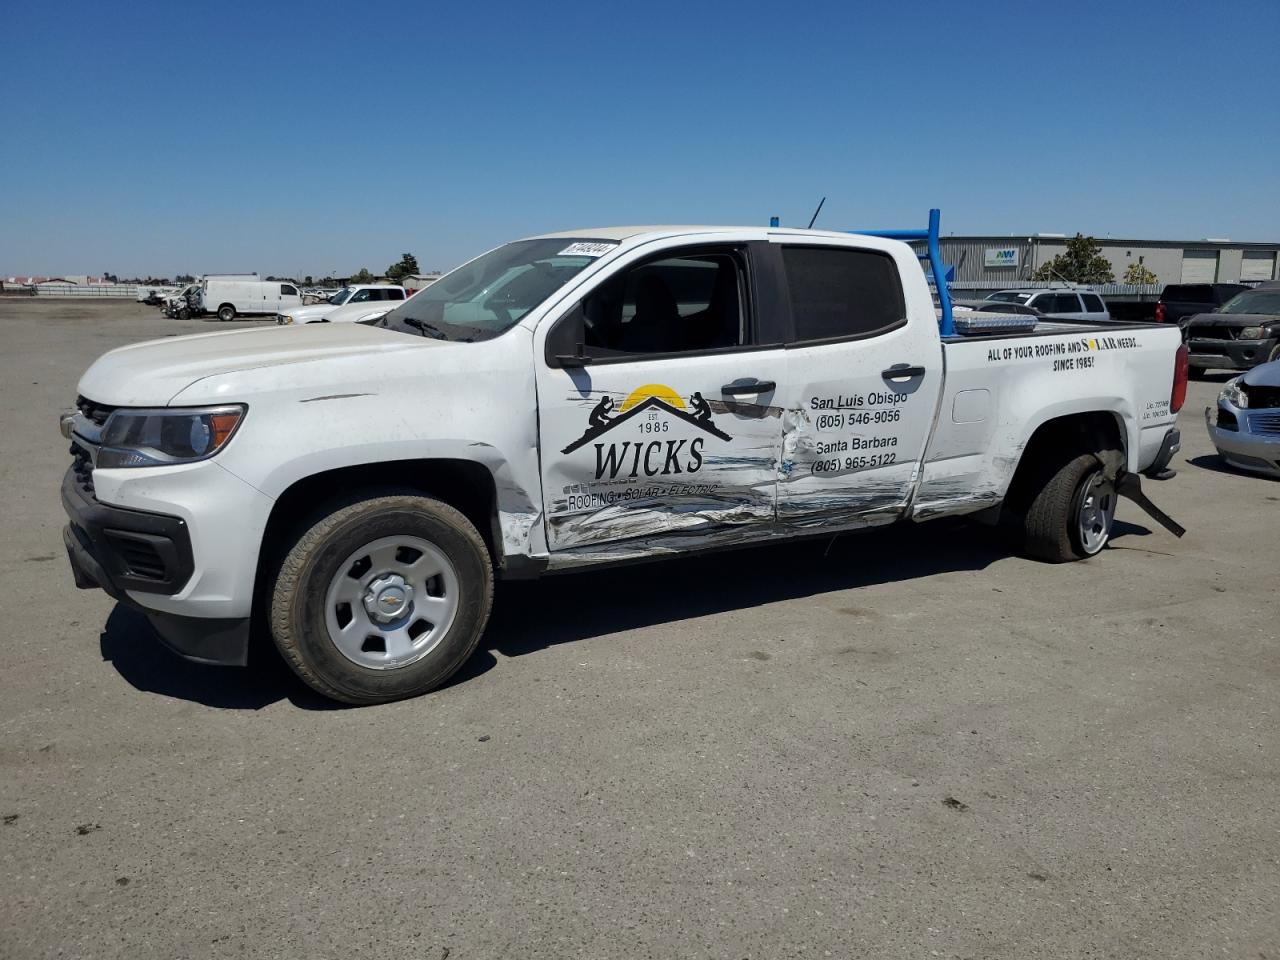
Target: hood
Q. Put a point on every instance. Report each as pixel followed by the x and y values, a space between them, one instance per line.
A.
pixel 1264 375
pixel 154 372
pixel 1232 319
pixel 312 311
pixel 347 313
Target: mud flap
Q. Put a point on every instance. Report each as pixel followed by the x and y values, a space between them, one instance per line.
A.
pixel 1130 485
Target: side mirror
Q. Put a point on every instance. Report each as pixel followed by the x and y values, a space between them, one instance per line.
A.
pixel 566 343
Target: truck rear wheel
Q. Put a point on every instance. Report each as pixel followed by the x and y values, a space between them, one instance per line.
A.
pixel 1071 516
pixel 382 599
pixel 226 313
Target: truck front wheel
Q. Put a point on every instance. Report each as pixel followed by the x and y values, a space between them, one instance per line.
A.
pixel 1070 517
pixel 382 599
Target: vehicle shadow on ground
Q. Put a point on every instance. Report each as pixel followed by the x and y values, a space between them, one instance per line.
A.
pixel 625 598
pixel 1215 464
pixel 530 616
pixel 131 646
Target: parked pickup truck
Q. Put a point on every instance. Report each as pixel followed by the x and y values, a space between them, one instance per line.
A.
pixel 1241 334
pixel 1181 300
pixel 577 399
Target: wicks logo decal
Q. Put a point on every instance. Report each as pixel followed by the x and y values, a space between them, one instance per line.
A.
pixel 653 408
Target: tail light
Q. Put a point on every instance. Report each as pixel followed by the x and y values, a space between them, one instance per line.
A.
pixel 1179 395
pixel 1159 313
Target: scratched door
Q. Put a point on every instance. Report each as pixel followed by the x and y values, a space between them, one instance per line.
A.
pixel 668 437
pixel 862 387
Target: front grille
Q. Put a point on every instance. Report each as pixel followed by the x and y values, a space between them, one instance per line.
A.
pixel 1261 398
pixel 1212 333
pixel 82 467
pixel 1265 423
pixel 96 412
pixel 139 554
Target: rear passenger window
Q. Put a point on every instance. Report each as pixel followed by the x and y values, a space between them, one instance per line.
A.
pixel 1093 303
pixel 395 294
pixel 840 292
pixel 1060 303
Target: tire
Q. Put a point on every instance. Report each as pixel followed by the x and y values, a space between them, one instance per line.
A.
pixel 1275 354
pixel 1071 516
pixel 226 313
pixel 184 314
pixel 328 594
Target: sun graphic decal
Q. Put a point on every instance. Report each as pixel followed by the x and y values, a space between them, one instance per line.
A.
pixel 660 391
pixel 652 396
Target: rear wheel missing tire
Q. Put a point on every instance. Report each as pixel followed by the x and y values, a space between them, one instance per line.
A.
pixel 382 599
pixel 1071 516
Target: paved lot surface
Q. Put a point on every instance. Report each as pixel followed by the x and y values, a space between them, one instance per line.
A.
pixel 908 744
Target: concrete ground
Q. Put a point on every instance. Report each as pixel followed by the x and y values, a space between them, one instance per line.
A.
pixel 905 744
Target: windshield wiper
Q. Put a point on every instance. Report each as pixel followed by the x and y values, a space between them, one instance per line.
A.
pixel 428 329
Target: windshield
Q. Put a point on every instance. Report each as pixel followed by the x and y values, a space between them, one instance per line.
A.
pixel 1008 296
pixel 490 295
pixel 1253 301
pixel 341 297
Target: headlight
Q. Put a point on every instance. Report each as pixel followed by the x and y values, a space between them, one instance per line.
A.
pixel 150 438
pixel 1251 333
pixel 1233 393
pixel 283 318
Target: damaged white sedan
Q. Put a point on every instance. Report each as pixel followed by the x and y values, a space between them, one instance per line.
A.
pixel 584 398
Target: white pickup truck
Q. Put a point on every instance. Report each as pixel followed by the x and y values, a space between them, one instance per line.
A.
pixel 574 399
pixel 349 303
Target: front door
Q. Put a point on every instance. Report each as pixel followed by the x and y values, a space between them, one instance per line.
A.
pixel 660 429
pixel 863 374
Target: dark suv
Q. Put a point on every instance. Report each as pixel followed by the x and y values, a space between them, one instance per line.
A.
pixel 1242 333
pixel 1180 300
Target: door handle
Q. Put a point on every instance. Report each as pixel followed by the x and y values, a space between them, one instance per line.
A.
pixel 739 388
pixel 901 371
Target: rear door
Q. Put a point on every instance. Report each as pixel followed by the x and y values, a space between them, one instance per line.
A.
pixel 864 369
pixel 664 432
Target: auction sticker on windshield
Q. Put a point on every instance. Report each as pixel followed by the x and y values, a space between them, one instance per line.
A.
pixel 585 248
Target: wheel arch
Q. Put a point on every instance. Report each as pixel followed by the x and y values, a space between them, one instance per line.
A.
pixel 1087 431
pixel 466 485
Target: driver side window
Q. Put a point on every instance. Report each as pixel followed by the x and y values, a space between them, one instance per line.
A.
pixel 360 297
pixel 676 304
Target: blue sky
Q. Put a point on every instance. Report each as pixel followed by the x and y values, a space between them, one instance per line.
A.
pixel 302 138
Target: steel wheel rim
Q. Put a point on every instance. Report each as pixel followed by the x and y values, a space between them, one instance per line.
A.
pixel 391 602
pixel 1095 511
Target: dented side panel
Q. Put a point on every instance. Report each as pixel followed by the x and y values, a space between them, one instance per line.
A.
pixel 999 391
pixel 651 451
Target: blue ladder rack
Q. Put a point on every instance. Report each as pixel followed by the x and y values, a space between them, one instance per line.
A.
pixel 946 325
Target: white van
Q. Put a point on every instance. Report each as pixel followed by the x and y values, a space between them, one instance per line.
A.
pixel 229 298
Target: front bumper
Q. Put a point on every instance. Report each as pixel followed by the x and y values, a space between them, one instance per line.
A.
pixel 1255 452
pixel 1228 354
pixel 125 551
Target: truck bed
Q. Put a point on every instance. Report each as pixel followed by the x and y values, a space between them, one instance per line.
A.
pixel 999 387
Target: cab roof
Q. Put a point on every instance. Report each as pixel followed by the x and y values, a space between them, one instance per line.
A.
pixel 674 230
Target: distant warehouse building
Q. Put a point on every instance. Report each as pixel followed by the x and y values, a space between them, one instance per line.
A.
pixel 992 262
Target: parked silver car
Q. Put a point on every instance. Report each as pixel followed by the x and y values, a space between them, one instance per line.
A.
pixel 1247 428
pixel 1058 303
